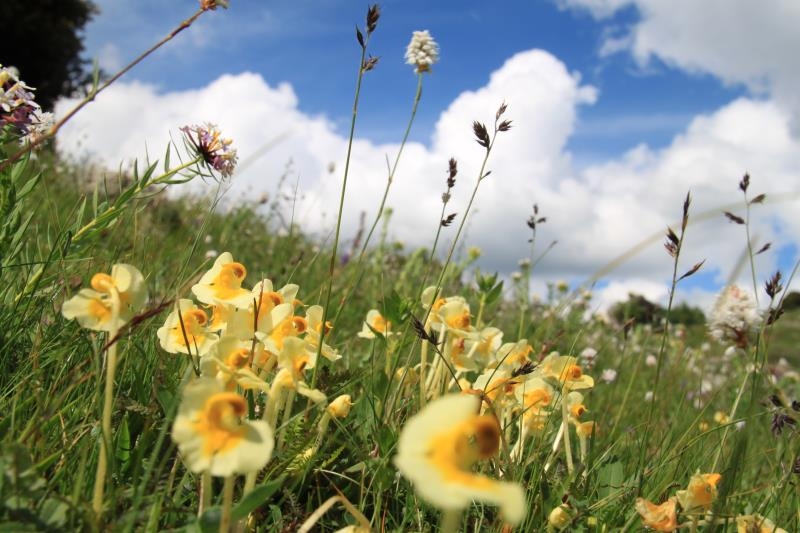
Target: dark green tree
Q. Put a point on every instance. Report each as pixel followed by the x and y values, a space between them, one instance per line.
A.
pixel 43 39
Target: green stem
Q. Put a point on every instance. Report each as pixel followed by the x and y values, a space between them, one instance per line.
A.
pixel 451 521
pixel 334 252
pixel 227 505
pixel 358 271
pixel 205 493
pixel 105 441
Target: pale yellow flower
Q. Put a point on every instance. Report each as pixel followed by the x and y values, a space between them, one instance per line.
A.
pixel 536 397
pixel 755 523
pixel 230 362
pixel 112 301
pixel 340 407
pixel 560 517
pixel 214 435
pixel 223 284
pixel 662 517
pixel 565 370
pixel 375 322
pixel 173 335
pixel 701 492
pixel 437 449
pixel 314 331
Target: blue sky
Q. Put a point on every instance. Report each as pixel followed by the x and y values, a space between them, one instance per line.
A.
pixel 312 46
pixel 620 107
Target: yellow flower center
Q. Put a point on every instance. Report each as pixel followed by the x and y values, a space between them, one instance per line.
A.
pixel 536 399
pixel 99 310
pixel 573 372
pixel 269 300
pixel 453 452
pixel 577 410
pixel 219 422
pixel 102 283
pixel 459 321
pixel 194 322
pixel 380 324
pixel 238 358
pixel 229 280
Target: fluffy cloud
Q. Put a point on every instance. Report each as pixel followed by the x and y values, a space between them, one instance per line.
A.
pixel 597 214
pixel 738 41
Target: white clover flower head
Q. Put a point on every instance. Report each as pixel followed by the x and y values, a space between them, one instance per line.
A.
pixel 651 360
pixel 734 315
pixel 648 396
pixel 609 375
pixel 422 51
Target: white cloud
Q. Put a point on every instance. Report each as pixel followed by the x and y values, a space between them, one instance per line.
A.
pixel 596 214
pixel 738 41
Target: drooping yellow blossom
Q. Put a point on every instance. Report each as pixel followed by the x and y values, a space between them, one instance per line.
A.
pixel 375 323
pixel 223 284
pixel 314 331
pixel 662 517
pixel 755 523
pixel 437 449
pixel 536 397
pixel 340 407
pixel 112 301
pixel 186 330
pixel 701 492
pixel 214 435
pixel 565 370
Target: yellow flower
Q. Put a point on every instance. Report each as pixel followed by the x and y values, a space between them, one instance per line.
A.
pixel 229 362
pixel 375 323
pixel 173 336
pixel 340 407
pixel 513 355
pixel 223 284
pixel 314 331
pixel 564 369
pixel 536 397
pixel 701 492
pixel 437 449
pixel 661 517
pixel 214 436
pixel 111 302
pixel 756 523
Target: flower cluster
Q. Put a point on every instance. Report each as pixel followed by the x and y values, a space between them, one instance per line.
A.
pixel 262 339
pixel 734 316
pixel 439 445
pixel 422 51
pixel 696 498
pixel 19 110
pixel 217 152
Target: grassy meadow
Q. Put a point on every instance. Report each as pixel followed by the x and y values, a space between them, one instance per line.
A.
pixel 256 379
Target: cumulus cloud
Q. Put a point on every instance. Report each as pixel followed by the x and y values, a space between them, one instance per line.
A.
pixel 738 41
pixel 597 214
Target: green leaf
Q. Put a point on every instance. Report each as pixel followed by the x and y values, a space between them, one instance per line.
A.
pixel 209 522
pixel 54 512
pixel 256 498
pixel 610 479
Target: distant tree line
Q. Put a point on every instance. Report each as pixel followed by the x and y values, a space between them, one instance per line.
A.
pixel 643 311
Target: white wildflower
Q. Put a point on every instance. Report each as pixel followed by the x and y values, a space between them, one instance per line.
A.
pixel 422 51
pixel 733 316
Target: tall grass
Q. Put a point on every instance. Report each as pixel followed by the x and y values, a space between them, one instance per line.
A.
pixel 664 405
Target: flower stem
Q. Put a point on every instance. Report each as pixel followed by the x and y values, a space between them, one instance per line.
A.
pixel 227 504
pixel 451 521
pixel 335 250
pixel 106 439
pixel 205 493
